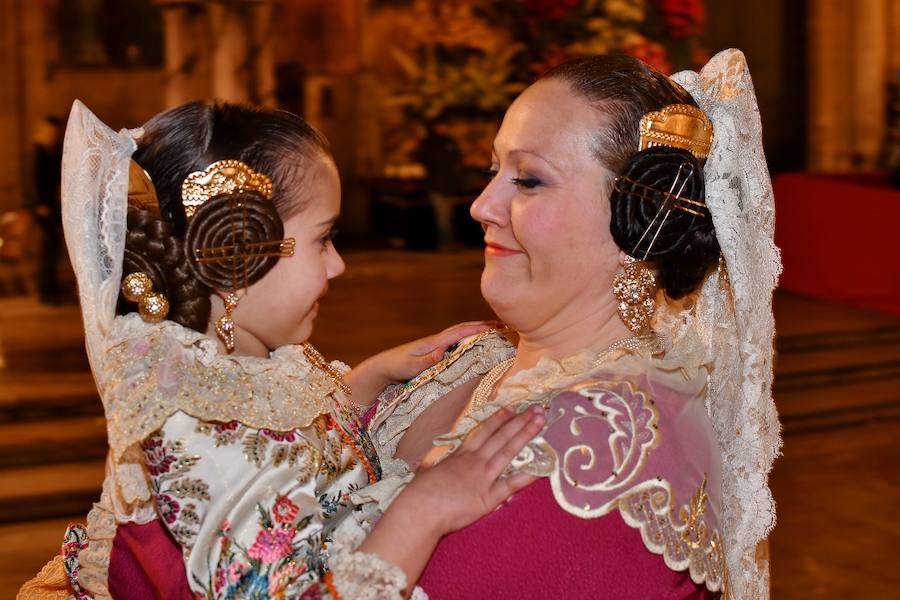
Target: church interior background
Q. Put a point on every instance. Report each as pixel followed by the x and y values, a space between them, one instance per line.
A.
pixel 410 93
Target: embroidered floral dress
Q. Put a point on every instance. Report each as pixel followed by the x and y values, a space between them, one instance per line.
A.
pixel 629 498
pixel 248 463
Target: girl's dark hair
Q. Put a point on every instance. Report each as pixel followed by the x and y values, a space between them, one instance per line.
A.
pixel 189 138
pixel 624 89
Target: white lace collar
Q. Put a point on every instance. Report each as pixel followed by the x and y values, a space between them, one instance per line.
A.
pixel 151 371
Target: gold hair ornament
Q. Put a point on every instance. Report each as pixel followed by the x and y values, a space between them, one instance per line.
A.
pixel 141 191
pixel 678 126
pixel 222 177
pixel 138 288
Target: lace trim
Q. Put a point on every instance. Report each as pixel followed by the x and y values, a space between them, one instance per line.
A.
pixel 152 371
pixel 362 576
pixel 684 544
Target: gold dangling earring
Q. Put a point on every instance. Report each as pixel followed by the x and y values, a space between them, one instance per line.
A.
pixel 634 289
pixel 225 325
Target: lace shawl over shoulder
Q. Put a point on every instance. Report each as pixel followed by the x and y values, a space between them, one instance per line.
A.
pixel 152 371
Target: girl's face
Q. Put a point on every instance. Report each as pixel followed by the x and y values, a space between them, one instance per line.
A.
pixel 279 309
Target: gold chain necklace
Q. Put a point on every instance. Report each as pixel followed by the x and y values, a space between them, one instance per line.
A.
pixel 486 386
pixel 318 361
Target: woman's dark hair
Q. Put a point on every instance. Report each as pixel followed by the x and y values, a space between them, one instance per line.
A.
pixel 189 138
pixel 624 89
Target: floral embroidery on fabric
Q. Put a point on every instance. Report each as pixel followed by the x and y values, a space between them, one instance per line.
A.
pixel 174 490
pixel 74 542
pixel 224 434
pixel 283 561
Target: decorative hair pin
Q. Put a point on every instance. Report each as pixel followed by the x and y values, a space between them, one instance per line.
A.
pixel 222 177
pixel 671 201
pixel 238 238
pixel 678 126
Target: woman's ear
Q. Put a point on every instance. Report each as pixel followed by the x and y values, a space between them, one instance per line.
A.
pixel 622 257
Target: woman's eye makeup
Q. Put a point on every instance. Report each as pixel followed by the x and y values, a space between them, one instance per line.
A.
pixel 526 182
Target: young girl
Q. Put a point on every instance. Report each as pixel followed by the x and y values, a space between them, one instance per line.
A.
pixel 213 246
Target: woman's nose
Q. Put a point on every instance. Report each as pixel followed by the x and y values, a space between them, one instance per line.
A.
pixel 491 207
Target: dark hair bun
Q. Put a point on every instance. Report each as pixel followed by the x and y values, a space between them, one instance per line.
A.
pixel 685 247
pixel 152 248
pixel 233 223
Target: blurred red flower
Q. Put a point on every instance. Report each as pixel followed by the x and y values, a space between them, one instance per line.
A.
pixel 546 10
pixel 684 18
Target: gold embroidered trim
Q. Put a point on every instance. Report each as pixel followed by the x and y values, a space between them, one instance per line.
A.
pixel 684 543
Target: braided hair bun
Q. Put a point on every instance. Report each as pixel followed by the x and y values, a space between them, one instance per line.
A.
pixel 223 239
pixel 151 248
pixel 682 244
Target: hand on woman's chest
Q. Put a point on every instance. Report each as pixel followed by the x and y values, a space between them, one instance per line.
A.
pixel 441 417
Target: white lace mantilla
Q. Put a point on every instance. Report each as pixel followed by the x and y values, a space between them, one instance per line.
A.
pixel 734 314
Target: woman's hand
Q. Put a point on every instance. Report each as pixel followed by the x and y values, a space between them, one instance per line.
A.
pixel 401 363
pixel 455 493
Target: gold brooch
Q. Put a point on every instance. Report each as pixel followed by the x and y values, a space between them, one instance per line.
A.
pixel 678 126
pixel 222 177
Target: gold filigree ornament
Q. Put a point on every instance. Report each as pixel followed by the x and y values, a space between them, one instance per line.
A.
pixel 138 288
pixel 678 126
pixel 222 177
pixel 634 288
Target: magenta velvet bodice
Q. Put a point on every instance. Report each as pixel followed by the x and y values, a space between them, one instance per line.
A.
pixel 532 548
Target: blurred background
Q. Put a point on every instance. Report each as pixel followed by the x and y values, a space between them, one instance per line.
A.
pixel 410 93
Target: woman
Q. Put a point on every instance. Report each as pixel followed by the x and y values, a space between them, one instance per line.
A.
pixel 629 243
pixel 214 247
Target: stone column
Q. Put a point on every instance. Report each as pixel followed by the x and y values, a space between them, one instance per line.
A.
pixel 870 80
pixel 849 58
pixel 230 66
pixel 261 53
pixel 183 51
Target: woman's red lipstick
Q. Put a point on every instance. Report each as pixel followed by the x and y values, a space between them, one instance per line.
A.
pixel 495 249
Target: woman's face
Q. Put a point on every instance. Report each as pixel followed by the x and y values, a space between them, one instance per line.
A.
pixel 550 255
pixel 279 309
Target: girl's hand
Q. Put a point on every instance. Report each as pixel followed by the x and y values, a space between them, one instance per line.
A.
pixel 454 493
pixel 467 484
pixel 401 363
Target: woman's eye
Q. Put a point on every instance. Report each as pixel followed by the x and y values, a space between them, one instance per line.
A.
pixel 529 183
pixel 491 172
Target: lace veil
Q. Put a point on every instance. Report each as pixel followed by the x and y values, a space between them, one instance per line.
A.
pixel 734 314
pixel 94 212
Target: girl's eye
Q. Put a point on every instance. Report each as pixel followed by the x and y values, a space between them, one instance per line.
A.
pixel 491 172
pixel 529 183
pixel 328 237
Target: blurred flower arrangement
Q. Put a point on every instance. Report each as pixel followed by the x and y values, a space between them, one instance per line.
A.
pixel 463 62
